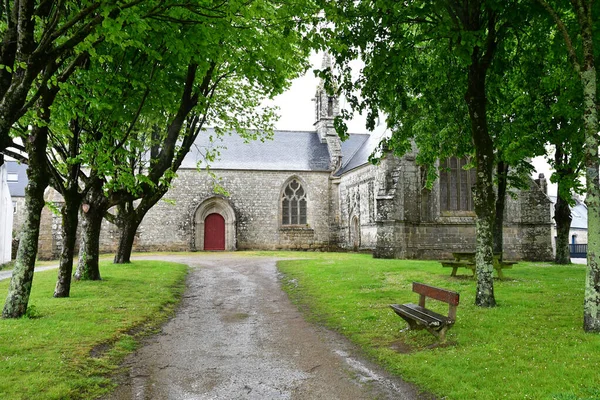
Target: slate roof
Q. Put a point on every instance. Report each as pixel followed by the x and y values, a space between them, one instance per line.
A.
pixel 17 189
pixel 356 151
pixel 287 151
pixel 359 147
pixel 578 214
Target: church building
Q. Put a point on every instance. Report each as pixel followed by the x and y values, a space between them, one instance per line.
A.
pixel 310 191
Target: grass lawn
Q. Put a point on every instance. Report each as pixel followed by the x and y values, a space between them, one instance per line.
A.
pixel 69 347
pixel 531 346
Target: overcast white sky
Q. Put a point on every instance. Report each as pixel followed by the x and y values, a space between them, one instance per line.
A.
pixel 298 113
pixel 298 108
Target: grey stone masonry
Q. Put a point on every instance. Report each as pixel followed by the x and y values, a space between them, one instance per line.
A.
pixel 255 197
pixel 326 109
pixel 357 191
pixel 410 223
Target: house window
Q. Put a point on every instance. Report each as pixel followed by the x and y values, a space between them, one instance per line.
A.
pixel 14 207
pixel 12 177
pixel 456 185
pixel 293 204
pixel 574 239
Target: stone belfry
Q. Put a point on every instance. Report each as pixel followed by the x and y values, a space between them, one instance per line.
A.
pixel 326 109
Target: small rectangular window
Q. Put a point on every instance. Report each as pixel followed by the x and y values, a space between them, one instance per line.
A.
pixel 14 207
pixel 12 177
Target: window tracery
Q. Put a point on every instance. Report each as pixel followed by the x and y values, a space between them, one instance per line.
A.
pixel 456 184
pixel 293 204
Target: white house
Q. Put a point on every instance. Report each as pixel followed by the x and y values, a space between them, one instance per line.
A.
pixel 578 233
pixel 6 217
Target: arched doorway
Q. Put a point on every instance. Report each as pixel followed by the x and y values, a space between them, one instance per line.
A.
pixel 214 225
pixel 214 232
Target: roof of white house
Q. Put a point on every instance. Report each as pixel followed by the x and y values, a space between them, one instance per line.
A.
pixel 17 178
pixel 578 214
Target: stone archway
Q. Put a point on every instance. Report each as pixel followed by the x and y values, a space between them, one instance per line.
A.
pixel 221 207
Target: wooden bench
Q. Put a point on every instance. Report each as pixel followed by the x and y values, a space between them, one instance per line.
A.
pixel 467 260
pixel 419 317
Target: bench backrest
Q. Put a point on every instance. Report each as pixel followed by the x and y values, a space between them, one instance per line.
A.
pixel 447 296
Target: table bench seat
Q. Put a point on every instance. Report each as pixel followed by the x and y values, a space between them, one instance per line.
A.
pixel 469 263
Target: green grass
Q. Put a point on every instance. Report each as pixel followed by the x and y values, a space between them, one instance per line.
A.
pixel 531 346
pixel 69 348
pixel 7 265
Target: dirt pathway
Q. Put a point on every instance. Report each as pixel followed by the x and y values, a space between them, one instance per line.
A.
pixel 237 336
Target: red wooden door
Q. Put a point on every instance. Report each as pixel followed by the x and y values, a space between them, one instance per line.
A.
pixel 214 232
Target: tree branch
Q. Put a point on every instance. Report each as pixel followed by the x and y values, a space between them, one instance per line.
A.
pixel 565 33
pixel 17 156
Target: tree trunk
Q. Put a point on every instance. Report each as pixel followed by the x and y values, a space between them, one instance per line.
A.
pixel 587 73
pixel 562 212
pixel 484 188
pixel 128 223
pixel 502 173
pixel 131 217
pixel 70 220
pixel 591 304
pixel 22 277
pixel 562 216
pixel 93 209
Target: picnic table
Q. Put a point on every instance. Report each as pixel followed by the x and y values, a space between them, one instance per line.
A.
pixel 464 259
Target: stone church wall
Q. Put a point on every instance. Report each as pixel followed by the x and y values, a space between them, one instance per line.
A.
pixel 411 225
pixel 255 198
pixel 528 224
pixel 357 191
pixel 384 206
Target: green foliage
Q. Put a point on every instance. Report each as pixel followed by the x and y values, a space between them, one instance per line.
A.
pixel 544 103
pixel 57 354
pixel 150 88
pixel 530 346
pixel 49 38
pixel 417 56
pixel 52 207
pixel 7 265
pixel 32 312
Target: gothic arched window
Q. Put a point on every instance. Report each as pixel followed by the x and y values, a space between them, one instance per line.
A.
pixel 330 106
pixel 293 204
pixel 456 185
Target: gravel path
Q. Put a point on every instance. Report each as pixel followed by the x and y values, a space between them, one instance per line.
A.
pixel 8 273
pixel 237 336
